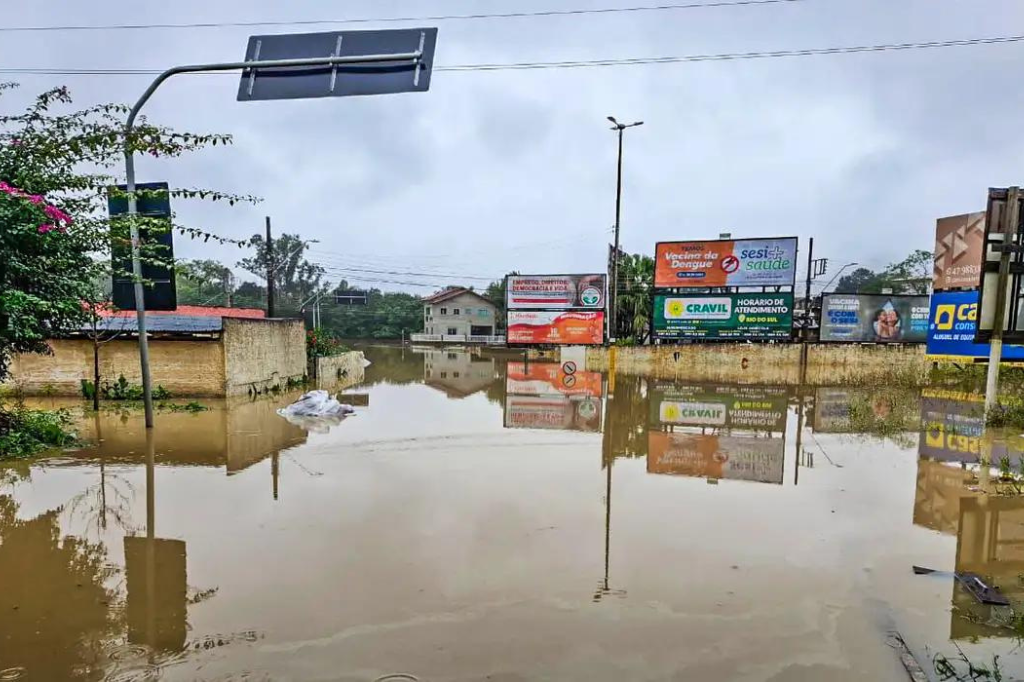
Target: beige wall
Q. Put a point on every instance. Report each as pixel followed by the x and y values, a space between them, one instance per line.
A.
pixel 341 371
pixel 828 364
pixel 185 368
pixel 260 354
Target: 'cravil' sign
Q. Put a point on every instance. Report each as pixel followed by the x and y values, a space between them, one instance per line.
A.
pixel 745 262
pixel 723 316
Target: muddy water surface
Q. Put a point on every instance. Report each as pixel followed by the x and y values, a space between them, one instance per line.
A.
pixel 482 518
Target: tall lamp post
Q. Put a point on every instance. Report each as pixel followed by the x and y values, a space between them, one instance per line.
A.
pixel 612 322
pixel 835 276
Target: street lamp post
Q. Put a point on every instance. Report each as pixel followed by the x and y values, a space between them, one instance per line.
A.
pixel 416 58
pixel 839 272
pixel 613 317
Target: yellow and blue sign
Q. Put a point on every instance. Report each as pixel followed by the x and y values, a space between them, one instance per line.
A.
pixel 952 324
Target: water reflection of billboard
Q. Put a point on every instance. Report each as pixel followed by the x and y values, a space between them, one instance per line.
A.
pixel 576 328
pixel 543 395
pixel 727 457
pixel 833 409
pixel 953 428
pixel 864 318
pixel 735 407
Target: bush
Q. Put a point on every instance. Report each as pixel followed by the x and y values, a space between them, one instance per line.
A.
pixel 123 390
pixel 321 343
pixel 24 432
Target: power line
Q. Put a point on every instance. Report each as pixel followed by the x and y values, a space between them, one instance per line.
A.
pixel 592 63
pixel 385 20
pixel 346 268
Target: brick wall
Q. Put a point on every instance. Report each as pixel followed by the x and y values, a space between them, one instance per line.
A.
pixel 185 368
pixel 340 371
pixel 260 354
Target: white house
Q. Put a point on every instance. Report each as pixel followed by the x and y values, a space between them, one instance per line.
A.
pixel 459 312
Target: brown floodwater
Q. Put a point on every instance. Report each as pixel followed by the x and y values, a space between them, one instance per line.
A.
pixel 481 518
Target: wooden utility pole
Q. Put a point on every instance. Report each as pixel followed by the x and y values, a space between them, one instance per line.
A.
pixel 270 271
pixel 1010 220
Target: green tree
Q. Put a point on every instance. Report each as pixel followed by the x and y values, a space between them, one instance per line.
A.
pixel 912 275
pixel 55 234
pixel 295 278
pixel 635 305
pixel 204 282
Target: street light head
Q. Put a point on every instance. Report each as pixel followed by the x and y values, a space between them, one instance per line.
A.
pixel 637 123
pixel 612 119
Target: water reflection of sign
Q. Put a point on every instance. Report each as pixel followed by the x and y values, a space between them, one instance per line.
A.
pixel 730 457
pixel 157 591
pixel 952 425
pixel 736 407
pixel 539 378
pixel 866 318
pixel 562 412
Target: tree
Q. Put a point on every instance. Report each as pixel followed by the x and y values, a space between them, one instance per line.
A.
pixel 495 293
pixel 55 233
pixel 861 280
pixel 204 282
pixel 912 275
pixel 295 278
pixel 634 306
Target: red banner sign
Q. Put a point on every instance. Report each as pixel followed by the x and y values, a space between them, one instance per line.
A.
pixel 551 327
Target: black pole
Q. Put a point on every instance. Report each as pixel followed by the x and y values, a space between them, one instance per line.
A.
pixel 270 272
pixel 613 323
pixel 807 297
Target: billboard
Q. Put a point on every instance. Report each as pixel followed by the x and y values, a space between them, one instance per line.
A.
pixel 723 316
pixel 959 250
pixel 555 292
pixel 726 263
pixel 952 326
pixel 159 292
pixel 870 318
pixel 573 328
pixel 743 458
pixel 538 378
pixel 730 407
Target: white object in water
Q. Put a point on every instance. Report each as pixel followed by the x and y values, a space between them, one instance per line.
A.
pixel 316 404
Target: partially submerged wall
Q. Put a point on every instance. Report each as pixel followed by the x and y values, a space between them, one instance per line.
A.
pixel 185 368
pixel 341 371
pixel 262 354
pixel 778 364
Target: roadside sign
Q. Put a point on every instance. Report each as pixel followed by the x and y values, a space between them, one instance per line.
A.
pixel 351 298
pixel 999 235
pixel 723 316
pixel 159 288
pixel 725 263
pixel 381 77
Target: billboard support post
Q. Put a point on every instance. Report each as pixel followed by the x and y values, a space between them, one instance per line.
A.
pixel 1011 217
pixel 807 294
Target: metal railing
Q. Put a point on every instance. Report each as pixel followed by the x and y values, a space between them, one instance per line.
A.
pixel 458 338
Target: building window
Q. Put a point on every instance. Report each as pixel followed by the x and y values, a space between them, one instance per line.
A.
pixel 455 375
pixel 453 356
pixel 444 375
pixel 455 312
pixel 444 311
pixel 452 331
pixel 483 312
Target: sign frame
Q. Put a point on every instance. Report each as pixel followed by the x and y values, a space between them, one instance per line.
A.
pixel 994 245
pixel 824 310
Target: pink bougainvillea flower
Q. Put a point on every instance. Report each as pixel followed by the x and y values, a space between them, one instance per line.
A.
pixel 56 215
pixel 35 199
pixel 15 142
pixel 43 229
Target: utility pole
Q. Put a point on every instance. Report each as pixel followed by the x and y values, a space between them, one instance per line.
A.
pixel 613 329
pixel 270 272
pixel 807 291
pixel 1011 220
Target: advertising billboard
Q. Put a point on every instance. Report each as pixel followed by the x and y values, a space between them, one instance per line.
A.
pixel 744 458
pixel 726 263
pixel 871 318
pixel 573 328
pixel 555 292
pixel 959 250
pixel 952 326
pixel 729 407
pixel 723 316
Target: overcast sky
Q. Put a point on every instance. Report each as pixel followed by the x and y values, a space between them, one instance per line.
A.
pixel 515 170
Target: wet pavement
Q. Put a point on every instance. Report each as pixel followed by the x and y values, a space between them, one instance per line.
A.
pixel 484 518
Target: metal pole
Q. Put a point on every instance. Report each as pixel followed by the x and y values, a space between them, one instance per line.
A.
pixel 1011 218
pixel 807 295
pixel 140 300
pixel 129 171
pixel 613 322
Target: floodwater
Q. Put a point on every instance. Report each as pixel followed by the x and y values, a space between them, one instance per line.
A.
pixel 481 518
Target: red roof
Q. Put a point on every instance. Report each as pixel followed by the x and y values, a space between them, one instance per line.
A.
pixel 195 311
pixel 448 294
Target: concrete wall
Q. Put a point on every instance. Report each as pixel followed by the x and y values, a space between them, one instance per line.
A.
pixel 261 354
pixel 185 368
pixel 778 364
pixel 340 371
pixel 469 307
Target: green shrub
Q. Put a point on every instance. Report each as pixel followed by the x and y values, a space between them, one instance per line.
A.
pixel 123 390
pixel 24 432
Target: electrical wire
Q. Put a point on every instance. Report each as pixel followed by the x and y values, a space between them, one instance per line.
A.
pixel 384 20
pixel 596 63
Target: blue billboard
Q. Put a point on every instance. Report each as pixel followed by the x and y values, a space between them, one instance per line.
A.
pixel 951 328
